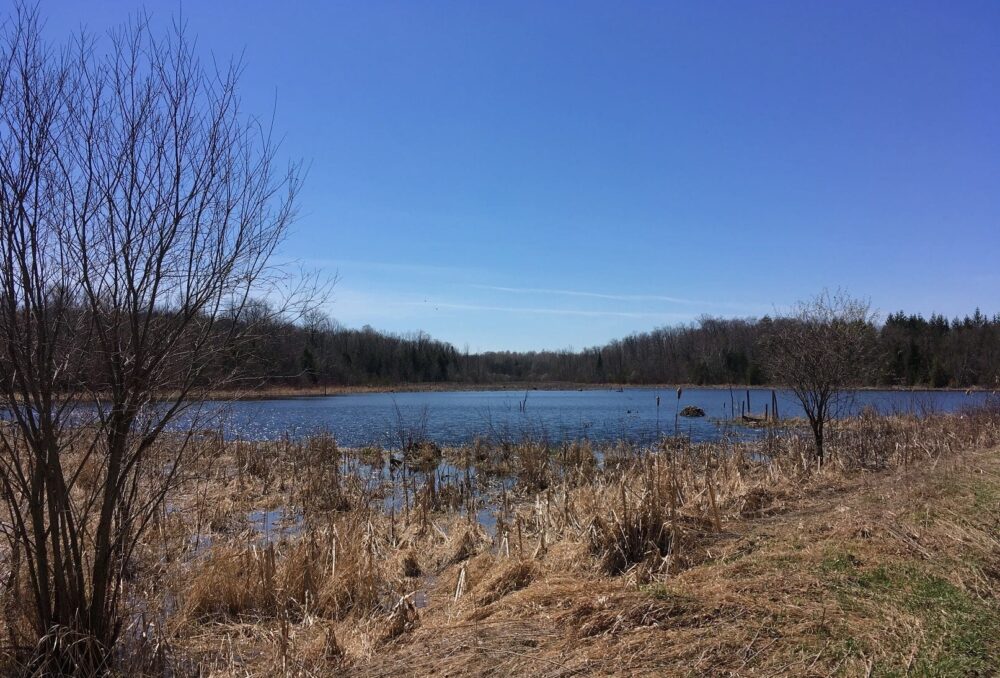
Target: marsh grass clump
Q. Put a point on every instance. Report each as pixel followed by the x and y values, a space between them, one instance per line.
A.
pixel 577 462
pixel 230 583
pixel 508 577
pixel 462 545
pixel 330 572
pixel 532 465
pixel 874 440
pixel 636 531
pixel 489 459
pixel 423 456
pixel 620 456
pixel 373 456
pixel 315 473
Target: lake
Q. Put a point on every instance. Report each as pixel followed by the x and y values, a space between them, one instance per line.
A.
pixel 456 417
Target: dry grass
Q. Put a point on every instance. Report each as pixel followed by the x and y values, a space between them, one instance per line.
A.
pixel 732 558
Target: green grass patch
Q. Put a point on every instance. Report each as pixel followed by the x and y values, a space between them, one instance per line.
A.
pixel 667 592
pixel 958 635
pixel 986 495
pixel 839 562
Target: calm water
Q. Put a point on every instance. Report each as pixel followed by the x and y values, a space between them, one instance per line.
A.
pixel 455 417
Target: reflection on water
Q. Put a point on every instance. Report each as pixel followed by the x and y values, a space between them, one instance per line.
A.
pixel 639 415
pixel 275 525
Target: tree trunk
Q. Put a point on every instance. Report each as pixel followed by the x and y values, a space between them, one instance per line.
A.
pixel 817 428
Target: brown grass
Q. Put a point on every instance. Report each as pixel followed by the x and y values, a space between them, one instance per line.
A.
pixel 723 559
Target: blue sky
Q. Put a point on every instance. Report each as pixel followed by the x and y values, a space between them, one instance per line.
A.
pixel 557 174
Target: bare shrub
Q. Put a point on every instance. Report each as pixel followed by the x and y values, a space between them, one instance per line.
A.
pixel 138 213
pixel 822 347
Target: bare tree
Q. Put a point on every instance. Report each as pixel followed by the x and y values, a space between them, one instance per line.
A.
pixel 823 346
pixel 139 210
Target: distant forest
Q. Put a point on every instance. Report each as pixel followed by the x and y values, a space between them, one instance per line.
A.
pixel 913 351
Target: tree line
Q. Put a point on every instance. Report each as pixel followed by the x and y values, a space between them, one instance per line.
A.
pixel 910 350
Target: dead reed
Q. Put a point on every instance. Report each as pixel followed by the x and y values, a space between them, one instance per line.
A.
pixel 365 559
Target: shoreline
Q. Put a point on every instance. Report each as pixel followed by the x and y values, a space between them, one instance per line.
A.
pixel 283 393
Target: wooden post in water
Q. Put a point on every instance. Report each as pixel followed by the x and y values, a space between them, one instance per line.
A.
pixel 677 409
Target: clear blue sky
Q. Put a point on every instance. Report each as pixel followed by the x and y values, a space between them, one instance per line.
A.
pixel 556 174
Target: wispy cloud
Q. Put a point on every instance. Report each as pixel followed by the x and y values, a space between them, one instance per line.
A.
pixel 548 311
pixel 600 295
pixel 390 266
